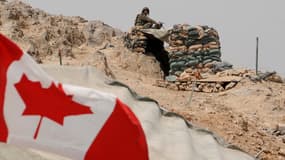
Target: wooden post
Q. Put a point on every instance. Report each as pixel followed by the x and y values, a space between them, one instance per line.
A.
pixel 256 62
pixel 192 92
pixel 60 58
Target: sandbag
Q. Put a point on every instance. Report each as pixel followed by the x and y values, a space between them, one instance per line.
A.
pixel 193 45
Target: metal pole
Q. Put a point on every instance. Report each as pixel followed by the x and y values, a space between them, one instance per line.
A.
pixel 192 92
pixel 60 58
pixel 256 62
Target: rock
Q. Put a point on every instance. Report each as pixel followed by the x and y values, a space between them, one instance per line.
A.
pixel 189 70
pixel 230 85
pixel 173 86
pixel 184 77
pixel 182 87
pixel 208 89
pixel 17 33
pixel 244 125
pixel 205 70
pixel 139 50
pixel 240 133
pixel 97 32
pixel 282 152
pixel 188 88
pixel 209 65
pixel 275 78
pixel 280 129
pixel 215 90
pixel 177 83
pixel 200 87
pixel 34 52
pixel 221 89
pixel 161 83
pixel 74 37
pixel 218 85
pixel 171 78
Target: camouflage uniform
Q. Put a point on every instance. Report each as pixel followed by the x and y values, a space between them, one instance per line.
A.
pixel 145 21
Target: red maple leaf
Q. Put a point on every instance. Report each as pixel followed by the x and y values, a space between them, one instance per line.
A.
pixel 51 102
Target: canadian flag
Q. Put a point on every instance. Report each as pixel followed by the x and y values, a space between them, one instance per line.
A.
pixel 76 122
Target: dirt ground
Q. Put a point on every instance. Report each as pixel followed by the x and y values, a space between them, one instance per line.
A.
pixel 245 116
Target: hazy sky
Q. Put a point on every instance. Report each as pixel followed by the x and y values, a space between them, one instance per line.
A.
pixel 238 22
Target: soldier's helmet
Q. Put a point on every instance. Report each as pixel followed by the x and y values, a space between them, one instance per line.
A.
pixel 145 9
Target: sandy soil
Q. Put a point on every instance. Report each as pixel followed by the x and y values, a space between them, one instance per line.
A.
pixel 245 116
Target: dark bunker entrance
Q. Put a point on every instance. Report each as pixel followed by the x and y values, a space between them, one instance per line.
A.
pixel 156 48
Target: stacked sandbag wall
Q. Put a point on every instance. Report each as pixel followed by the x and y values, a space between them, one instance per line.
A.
pixel 193 47
pixel 135 40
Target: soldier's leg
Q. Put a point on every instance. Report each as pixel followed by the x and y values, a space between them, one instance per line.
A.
pixel 147 25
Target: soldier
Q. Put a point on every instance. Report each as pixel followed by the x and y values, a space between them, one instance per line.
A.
pixel 145 21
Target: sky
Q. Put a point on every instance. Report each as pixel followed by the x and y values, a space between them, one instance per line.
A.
pixel 238 22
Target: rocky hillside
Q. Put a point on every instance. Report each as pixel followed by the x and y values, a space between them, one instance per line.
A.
pixel 250 115
pixel 79 41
